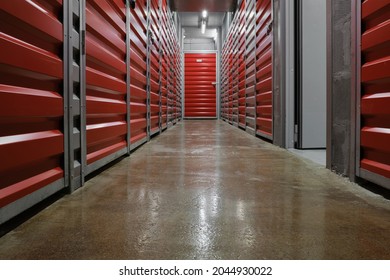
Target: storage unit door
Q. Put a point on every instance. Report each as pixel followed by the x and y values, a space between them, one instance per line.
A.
pixel 200 85
pixel 224 84
pixel 235 66
pixel 138 72
pixel 105 81
pixel 374 161
pixel 155 61
pixel 230 75
pixel 164 64
pixel 178 82
pixel 241 65
pixel 250 92
pixel 31 103
pixel 264 112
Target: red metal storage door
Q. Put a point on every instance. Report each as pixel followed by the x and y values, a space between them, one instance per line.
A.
pixel 178 82
pixel 31 102
pixel 250 92
pixel 154 67
pixel 224 84
pixel 164 64
pixel 231 75
pixel 200 88
pixel 375 92
pixel 171 75
pixel 241 66
pixel 138 72
pixel 106 81
pixel 235 76
pixel 264 125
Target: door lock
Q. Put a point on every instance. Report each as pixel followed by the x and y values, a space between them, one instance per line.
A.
pixel 132 4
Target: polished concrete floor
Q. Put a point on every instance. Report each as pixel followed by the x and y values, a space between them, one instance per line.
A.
pixel 318 156
pixel 206 190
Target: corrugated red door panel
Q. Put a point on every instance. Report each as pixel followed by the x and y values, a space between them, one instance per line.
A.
pixel 31 72
pixel 155 45
pixel 200 93
pixel 375 88
pixel 105 78
pixel 138 68
pixel 264 68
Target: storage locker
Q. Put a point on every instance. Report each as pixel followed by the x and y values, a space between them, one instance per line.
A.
pixel 230 74
pixel 154 64
pixel 224 84
pixel 138 74
pixel 170 63
pixel 106 91
pixel 247 62
pixel 241 64
pixel 264 112
pixel 250 71
pixel 82 83
pixel 374 86
pixel 32 133
pixel 164 64
pixel 179 72
pixel 200 85
pixel 235 70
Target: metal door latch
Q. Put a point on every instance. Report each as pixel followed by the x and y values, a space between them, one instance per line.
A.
pixel 269 28
pixel 132 4
pixel 151 36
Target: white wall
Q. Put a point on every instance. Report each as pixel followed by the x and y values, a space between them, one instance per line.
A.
pixel 313 73
pixel 199 44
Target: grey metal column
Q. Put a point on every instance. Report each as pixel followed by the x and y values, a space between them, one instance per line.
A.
pixel 66 91
pixel 278 70
pixel 74 93
pixel 128 88
pixel 148 50
pixel 83 82
pixel 160 121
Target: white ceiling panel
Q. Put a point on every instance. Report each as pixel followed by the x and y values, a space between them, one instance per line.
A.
pixel 199 5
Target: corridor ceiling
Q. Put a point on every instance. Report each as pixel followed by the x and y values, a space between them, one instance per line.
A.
pixel 200 5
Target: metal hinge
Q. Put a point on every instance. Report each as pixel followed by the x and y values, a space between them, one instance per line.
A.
pixel 296 133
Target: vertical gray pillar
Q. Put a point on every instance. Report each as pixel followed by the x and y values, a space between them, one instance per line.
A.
pixel 74 93
pixel 339 93
pixel 279 66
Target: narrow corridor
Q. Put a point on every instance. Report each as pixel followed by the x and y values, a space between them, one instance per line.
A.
pixel 206 190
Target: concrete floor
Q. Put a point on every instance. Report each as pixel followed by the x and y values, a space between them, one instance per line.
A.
pixel 206 190
pixel 318 156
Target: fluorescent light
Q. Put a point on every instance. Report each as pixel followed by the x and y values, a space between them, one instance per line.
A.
pixel 204 14
pixel 203 27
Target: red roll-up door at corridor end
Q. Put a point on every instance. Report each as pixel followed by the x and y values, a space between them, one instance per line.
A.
pixel 200 85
